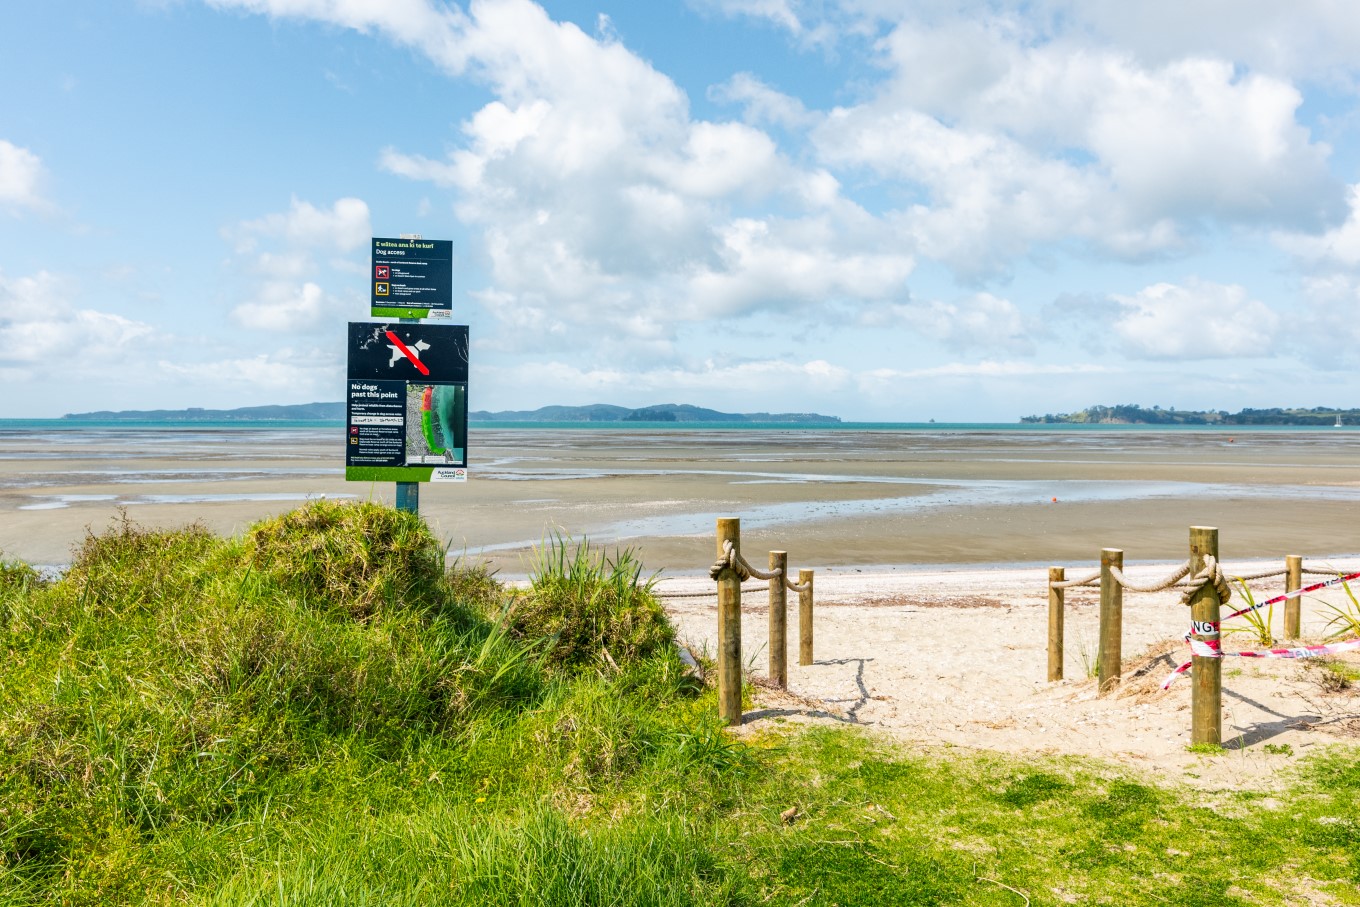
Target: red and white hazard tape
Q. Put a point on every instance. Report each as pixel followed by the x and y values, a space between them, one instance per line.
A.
pixel 1336 581
pixel 1210 647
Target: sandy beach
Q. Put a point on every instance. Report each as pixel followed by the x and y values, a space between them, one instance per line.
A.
pixel 958 658
pixel 929 550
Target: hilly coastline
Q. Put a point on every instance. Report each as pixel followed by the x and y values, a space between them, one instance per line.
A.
pixel 1132 414
pixel 335 412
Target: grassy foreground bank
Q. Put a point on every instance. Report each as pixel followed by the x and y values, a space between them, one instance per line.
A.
pixel 318 713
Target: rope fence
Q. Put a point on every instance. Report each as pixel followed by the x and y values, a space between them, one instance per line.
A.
pixel 1204 584
pixel 1205 588
pixel 730 571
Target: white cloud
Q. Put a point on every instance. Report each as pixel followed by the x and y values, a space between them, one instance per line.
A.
pixel 41 329
pixel 988 368
pixel 1011 146
pixel 343 228
pixel 747 386
pixel 780 12
pixel 1328 334
pixel 21 178
pixel 979 321
pixel 791 265
pixel 282 307
pixel 761 103
pixel 1339 246
pixel 286 373
pixel 1307 38
pixel 289 295
pixel 1200 320
pixel 435 30
pixel 802 20
pixel 606 209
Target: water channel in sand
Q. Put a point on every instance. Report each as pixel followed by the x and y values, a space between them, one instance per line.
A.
pixel 835 496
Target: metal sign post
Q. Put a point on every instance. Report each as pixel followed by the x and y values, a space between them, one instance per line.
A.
pixel 408 493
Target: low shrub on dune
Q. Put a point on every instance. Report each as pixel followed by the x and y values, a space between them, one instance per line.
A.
pixel 593 608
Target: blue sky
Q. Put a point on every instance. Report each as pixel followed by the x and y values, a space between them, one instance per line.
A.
pixel 878 210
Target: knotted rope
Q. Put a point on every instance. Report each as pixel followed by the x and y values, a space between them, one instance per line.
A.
pixel 732 560
pixel 1212 574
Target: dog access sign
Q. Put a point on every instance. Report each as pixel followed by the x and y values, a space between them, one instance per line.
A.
pixel 406 402
pixel 411 278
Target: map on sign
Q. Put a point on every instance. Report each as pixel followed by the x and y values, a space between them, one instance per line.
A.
pixel 411 278
pixel 406 402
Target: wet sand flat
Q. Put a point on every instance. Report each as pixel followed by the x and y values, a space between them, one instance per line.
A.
pixel 828 497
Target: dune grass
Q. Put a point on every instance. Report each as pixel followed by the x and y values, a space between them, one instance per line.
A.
pixel 317 713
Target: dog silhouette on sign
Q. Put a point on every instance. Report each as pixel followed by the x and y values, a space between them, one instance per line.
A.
pixel 398 354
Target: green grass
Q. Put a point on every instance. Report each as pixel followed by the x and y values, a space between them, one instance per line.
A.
pixel 315 713
pixel 1258 623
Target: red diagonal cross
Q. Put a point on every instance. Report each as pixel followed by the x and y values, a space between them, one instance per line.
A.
pixel 408 353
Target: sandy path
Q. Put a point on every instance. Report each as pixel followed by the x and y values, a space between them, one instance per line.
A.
pixel 958 658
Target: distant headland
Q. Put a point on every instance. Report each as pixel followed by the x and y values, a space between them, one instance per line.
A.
pixel 1130 414
pixel 335 412
pixel 296 412
pixel 663 412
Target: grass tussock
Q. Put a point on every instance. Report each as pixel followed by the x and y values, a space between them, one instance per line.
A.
pixel 358 558
pixel 192 720
pixel 594 608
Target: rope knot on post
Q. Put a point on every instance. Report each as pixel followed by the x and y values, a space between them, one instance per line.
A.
pixel 730 560
pixel 1211 575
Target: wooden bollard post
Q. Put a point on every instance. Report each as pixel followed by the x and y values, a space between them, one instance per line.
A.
pixel 1293 582
pixel 1206 696
pixel 729 627
pixel 805 617
pixel 1111 656
pixel 1055 623
pixel 779 643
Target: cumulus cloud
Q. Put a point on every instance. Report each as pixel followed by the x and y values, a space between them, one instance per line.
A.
pixel 762 103
pixel 1200 320
pixel 1013 145
pixel 305 372
pixel 1307 38
pixel 779 12
pixel 602 202
pixel 754 379
pixel 437 30
pixel 987 368
pixel 282 307
pixel 40 325
pixel 992 134
pixel 1328 333
pixel 21 177
pixel 279 249
pixel 1337 247
pixel 343 228
pixel 980 321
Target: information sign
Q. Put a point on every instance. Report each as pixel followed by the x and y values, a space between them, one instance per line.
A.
pixel 406 402
pixel 411 278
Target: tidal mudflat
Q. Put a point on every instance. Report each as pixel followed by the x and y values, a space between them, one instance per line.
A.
pixel 831 497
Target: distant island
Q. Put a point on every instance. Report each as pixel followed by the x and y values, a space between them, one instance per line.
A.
pixel 296 412
pixel 335 412
pixel 663 412
pixel 1131 414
